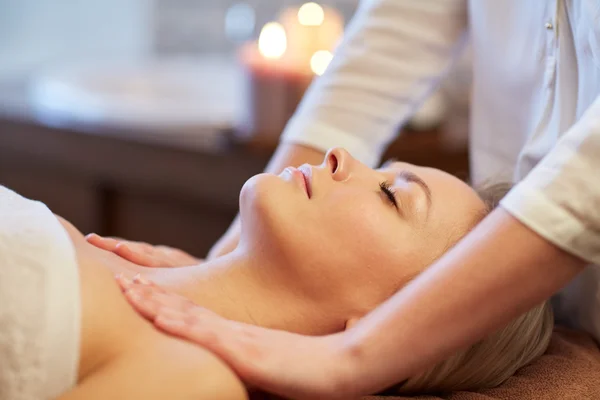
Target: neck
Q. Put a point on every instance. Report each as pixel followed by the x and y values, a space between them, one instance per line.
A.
pixel 246 289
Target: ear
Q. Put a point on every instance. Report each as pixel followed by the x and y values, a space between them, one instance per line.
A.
pixel 351 322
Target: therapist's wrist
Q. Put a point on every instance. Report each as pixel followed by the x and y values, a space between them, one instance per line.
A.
pixel 350 355
pixel 359 355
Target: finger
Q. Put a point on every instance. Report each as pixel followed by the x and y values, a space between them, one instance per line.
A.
pixel 227 340
pixel 103 243
pixel 185 258
pixel 148 301
pixel 123 281
pixel 131 253
pixel 177 257
pixel 139 294
pixel 174 302
pixel 168 257
pixel 145 247
pixel 175 315
pixel 199 325
pixel 139 279
pixel 143 303
pixel 188 327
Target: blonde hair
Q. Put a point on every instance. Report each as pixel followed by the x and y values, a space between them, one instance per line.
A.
pixel 497 357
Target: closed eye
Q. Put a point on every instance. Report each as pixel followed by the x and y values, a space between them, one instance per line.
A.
pixel 387 190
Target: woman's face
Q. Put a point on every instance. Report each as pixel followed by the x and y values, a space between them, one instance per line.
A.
pixel 341 226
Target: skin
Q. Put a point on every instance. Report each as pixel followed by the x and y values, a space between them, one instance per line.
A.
pixel 348 232
pixel 388 345
pixel 286 155
pixel 302 263
pixel 144 254
pixel 123 357
pixel 301 266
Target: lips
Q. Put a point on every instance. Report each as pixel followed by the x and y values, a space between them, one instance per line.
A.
pixel 302 177
pixel 306 171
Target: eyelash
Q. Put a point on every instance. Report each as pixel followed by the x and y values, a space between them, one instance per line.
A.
pixel 386 189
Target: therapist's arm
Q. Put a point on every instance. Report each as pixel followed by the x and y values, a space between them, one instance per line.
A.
pixel 393 55
pixel 500 270
pixel 546 230
pixel 497 272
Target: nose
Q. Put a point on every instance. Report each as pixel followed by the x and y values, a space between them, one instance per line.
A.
pixel 339 163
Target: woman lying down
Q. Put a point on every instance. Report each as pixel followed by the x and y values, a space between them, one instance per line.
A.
pixel 321 246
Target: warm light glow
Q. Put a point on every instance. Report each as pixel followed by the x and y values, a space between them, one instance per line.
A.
pixel 320 61
pixel 311 14
pixel 272 41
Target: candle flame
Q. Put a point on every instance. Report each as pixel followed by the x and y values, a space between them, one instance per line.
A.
pixel 320 61
pixel 311 14
pixel 272 41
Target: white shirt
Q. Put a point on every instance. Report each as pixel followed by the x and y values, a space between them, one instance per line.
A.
pixel 536 67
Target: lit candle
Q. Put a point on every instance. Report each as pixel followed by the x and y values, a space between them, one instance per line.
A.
pixel 273 86
pixel 311 29
pixel 272 42
pixel 280 65
pixel 320 61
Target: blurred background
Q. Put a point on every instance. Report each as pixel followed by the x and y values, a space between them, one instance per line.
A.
pixel 143 118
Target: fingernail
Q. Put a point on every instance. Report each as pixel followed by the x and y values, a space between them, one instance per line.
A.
pixel 90 235
pixel 123 279
pixel 141 280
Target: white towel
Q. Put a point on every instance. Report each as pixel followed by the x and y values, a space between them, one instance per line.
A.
pixel 39 302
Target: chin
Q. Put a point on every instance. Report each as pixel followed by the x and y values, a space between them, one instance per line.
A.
pixel 259 192
pixel 261 197
pixel 270 211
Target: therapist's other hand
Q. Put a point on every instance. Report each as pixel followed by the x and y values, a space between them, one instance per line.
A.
pixel 144 254
pixel 282 363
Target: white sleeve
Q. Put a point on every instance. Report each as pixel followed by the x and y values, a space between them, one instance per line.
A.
pixel 394 53
pixel 560 198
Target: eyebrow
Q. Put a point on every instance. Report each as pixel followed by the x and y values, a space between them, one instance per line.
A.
pixel 412 177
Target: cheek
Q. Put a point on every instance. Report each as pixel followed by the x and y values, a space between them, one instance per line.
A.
pixel 363 228
pixel 373 237
pixel 366 248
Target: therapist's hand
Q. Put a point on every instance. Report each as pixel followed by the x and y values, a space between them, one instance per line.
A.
pixel 259 356
pixel 144 254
